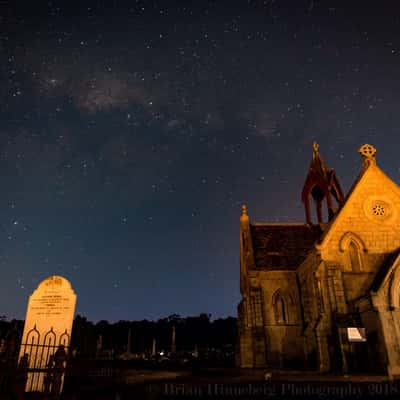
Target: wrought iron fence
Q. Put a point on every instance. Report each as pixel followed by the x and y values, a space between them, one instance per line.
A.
pixel 36 365
pixel 44 360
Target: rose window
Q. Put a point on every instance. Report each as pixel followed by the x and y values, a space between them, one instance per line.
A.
pixel 378 210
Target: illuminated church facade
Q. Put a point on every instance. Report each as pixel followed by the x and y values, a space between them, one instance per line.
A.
pixel 325 295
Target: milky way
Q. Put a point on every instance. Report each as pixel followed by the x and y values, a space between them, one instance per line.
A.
pixel 132 132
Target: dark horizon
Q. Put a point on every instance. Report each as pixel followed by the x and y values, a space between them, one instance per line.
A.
pixel 4 318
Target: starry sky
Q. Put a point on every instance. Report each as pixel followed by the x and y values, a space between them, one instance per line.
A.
pixel 132 131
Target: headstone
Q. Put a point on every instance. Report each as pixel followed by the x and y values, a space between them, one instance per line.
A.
pixel 128 346
pixel 195 351
pixel 99 346
pixel 48 325
pixel 128 355
pixel 173 342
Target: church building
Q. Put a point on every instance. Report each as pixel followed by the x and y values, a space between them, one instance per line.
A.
pixel 324 294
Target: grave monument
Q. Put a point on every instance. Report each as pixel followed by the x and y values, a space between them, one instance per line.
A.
pixel 47 333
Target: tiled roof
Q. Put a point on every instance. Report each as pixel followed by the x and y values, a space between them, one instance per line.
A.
pixel 282 246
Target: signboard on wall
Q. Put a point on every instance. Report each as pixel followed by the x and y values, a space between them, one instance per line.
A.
pixel 355 334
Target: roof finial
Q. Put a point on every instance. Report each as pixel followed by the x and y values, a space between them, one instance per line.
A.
pixel 244 218
pixel 368 152
pixel 315 148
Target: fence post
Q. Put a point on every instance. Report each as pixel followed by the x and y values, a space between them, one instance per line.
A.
pixel 60 358
pixel 21 377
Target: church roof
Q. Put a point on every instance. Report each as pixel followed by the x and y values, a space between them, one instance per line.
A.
pixel 282 246
pixel 384 270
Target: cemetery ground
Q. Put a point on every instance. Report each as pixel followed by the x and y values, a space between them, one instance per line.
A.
pixel 174 378
pixel 51 356
pixel 230 383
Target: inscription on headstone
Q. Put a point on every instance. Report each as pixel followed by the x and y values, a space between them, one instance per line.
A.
pixel 48 326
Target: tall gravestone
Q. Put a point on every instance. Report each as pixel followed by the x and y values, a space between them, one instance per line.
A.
pixel 47 333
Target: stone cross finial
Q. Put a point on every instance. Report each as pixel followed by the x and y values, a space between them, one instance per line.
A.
pixel 367 151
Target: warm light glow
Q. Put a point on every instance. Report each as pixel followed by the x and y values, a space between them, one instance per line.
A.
pixel 356 335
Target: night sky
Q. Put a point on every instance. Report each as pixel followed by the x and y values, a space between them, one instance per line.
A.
pixel 132 131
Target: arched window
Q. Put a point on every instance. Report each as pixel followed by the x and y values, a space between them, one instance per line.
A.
pixel 280 309
pixel 353 248
pixel 354 255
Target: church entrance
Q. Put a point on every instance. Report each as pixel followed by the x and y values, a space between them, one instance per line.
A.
pixel 357 358
pixel 335 354
pixel 375 363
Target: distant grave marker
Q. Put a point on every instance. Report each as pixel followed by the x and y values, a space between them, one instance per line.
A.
pixel 47 333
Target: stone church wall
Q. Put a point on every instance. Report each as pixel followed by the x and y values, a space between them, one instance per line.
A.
pixel 306 312
pixel 285 345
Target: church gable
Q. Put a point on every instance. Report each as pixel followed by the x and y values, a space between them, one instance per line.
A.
pixel 368 223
